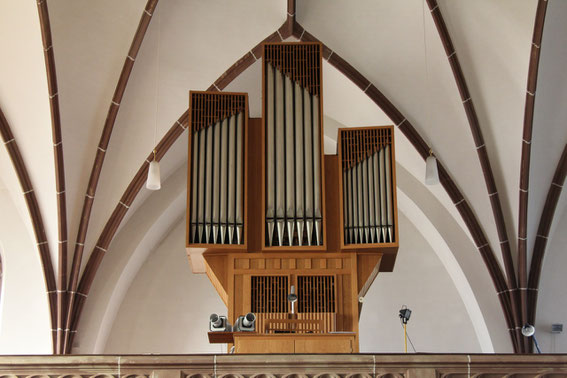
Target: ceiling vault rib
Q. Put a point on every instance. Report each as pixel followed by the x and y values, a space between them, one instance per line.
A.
pixel 525 162
pixel 484 160
pixel 35 215
pixel 61 283
pixel 97 167
pixel 543 233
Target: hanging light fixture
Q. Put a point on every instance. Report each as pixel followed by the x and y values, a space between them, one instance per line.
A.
pixel 431 171
pixel 154 180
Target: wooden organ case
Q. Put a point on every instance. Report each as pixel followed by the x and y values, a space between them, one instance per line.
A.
pixel 268 211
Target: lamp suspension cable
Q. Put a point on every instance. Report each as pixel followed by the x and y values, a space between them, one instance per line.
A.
pixel 431 170
pixel 154 180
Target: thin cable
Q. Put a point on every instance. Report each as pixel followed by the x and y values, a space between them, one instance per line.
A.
pixel 409 339
pixel 426 68
pixel 157 79
pixel 408 336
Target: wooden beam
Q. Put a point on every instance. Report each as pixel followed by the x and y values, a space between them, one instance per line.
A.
pixel 217 271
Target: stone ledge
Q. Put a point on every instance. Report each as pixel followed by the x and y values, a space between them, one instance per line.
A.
pixel 285 366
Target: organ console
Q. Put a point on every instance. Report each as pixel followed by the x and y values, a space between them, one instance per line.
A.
pixel 284 232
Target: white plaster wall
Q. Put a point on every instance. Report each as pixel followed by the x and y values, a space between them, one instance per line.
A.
pixel 24 98
pixel 439 320
pixel 166 308
pixel 24 309
pixel 552 301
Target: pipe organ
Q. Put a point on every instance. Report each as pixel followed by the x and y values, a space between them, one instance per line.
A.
pixel 282 230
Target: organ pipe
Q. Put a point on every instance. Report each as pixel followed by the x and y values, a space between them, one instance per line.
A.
pixel 367 185
pixel 293 177
pixel 216 168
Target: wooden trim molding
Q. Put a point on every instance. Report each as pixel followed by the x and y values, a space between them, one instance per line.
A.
pixel 525 159
pixel 99 161
pixel 543 233
pixel 35 215
pixel 59 171
pixel 481 149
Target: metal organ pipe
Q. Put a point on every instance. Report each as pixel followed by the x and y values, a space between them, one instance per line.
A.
pixel 368 213
pixel 293 165
pixel 217 214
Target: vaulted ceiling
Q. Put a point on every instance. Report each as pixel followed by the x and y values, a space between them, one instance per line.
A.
pixel 480 83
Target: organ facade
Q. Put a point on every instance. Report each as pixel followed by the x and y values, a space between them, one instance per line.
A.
pixel 271 218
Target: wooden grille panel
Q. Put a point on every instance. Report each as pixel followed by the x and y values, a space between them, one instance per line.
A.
pixel 269 294
pixel 301 62
pixel 358 144
pixel 207 108
pixel 316 294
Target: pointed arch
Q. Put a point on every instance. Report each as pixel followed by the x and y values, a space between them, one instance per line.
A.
pixel 98 163
pixel 375 95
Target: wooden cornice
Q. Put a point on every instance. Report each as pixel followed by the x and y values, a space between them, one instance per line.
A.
pixel 35 215
pixel 543 234
pixel 48 52
pixel 99 161
pixel 482 152
pixel 525 159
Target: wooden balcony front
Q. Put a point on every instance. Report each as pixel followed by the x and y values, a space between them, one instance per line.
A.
pixel 285 366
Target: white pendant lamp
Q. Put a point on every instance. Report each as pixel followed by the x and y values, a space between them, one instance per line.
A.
pixel 431 171
pixel 154 181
